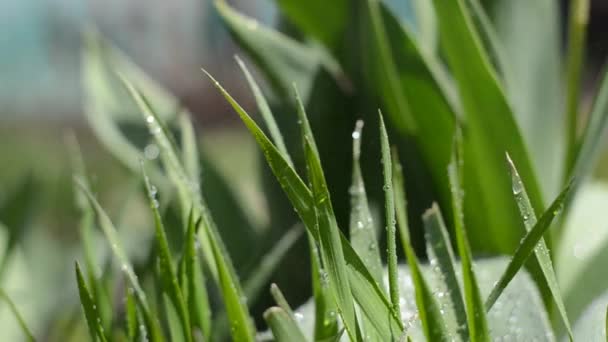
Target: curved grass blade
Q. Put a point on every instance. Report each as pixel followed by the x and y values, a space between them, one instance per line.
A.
pixel 111 234
pixel 433 323
pixel 389 203
pixel 94 321
pixel 167 273
pixel 267 265
pixel 477 322
pixel 489 202
pixel 283 326
pixel 541 251
pixel 189 147
pixel 363 235
pixel 279 298
pixel 528 244
pixel 265 111
pixel 26 331
pixel 441 256
pixel 131 315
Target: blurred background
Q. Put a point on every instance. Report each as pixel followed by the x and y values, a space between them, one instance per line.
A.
pixel 41 102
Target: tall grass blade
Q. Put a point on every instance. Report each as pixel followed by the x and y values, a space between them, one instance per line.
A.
pixel 265 111
pixel 283 326
pixel 173 319
pixel 541 251
pixel 363 235
pixel 111 234
pixel 389 203
pixel 433 323
pixel 26 330
pixel 279 298
pixel 441 256
pixel 326 320
pixel 189 146
pixel 131 315
pixel 167 274
pixel 91 314
pixel 528 244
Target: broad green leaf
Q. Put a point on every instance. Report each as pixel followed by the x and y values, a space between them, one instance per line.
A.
pixel 591 140
pixel 477 320
pixel 331 246
pixel 26 330
pixel 268 263
pixel 519 314
pixel 490 130
pixel 265 111
pixel 529 39
pixel 283 327
pixel 541 251
pixel 528 244
pixel 111 234
pixel 389 207
pixel 592 323
pixel 441 257
pixel 582 249
pixel 363 235
pixel 167 272
pixel 282 59
pixel 429 312
pixel 316 19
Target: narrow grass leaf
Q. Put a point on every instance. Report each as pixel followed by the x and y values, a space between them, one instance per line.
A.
pixel 189 146
pixel 541 251
pixel 528 244
pixel 283 326
pixel 167 274
pixel 24 328
pixel 477 321
pixel 173 319
pixel 363 235
pixel 265 111
pixel 326 320
pixel 91 314
pixel 441 256
pixel 269 262
pixel 433 324
pixel 389 207
pixel 279 298
pixel 131 315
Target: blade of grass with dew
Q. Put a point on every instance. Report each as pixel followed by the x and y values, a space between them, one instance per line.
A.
pixel 265 112
pixel 174 323
pixel 283 326
pixel 389 207
pixel 111 234
pixel 441 256
pixel 93 318
pixel 331 246
pixel 267 265
pixel 193 281
pixel 477 321
pixel 541 250
pixel 527 246
pixel 591 139
pixel 363 235
pixel 488 205
pixel 167 274
pixel 326 320
pixel 577 34
pixel 429 312
pixel 24 328
pixel 130 315
pixel 376 306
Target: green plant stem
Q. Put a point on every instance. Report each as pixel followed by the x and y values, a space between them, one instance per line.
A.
pixel 577 27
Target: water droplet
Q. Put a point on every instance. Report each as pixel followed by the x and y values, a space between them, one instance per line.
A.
pixel 155 203
pixel 359 224
pixel 298 316
pixel 150 119
pixel 151 151
pixel 386 187
pixel 356 135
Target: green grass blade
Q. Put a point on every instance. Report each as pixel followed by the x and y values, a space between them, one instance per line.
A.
pixel 606 327
pixel 279 298
pixel 283 326
pixel 265 111
pixel 331 246
pixel 167 273
pixel 241 326
pixel 267 265
pixel 363 235
pixel 389 203
pixel 591 140
pixel 475 311
pixel 189 147
pixel 489 207
pixel 541 251
pixel 26 331
pixel 441 256
pixel 94 321
pixel 528 244
pixel 326 320
pixel 173 320
pixel 131 315
pixel 194 282
pixel 433 323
